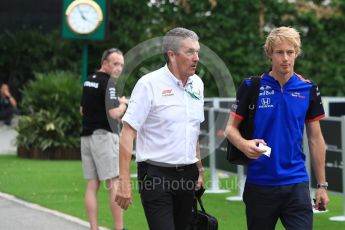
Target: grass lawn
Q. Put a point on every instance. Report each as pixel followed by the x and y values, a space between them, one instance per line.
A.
pixel 60 185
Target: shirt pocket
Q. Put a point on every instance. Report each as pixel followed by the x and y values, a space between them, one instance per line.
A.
pixel 196 110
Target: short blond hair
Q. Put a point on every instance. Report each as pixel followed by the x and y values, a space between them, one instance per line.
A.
pixel 283 34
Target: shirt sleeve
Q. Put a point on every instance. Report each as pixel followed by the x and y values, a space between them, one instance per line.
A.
pixel 139 105
pixel 240 108
pixel 315 111
pixel 111 99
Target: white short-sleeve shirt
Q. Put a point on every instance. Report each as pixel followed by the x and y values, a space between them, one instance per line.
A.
pixel 166 116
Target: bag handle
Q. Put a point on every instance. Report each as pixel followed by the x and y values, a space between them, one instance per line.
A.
pixel 200 204
pixel 254 94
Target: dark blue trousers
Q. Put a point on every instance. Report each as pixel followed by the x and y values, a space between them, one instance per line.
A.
pixel 289 203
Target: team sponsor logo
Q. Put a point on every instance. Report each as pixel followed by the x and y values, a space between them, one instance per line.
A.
pixel 265 87
pixel 112 93
pixel 167 92
pixel 91 84
pixel 298 95
pixel 265 102
pixel 266 90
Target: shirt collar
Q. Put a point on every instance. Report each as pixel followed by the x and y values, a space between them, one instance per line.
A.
pixel 268 76
pixel 177 81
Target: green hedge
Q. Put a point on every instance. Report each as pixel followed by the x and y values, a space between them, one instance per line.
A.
pixel 51 105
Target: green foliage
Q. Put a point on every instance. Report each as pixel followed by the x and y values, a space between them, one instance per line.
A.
pixel 53 121
pixel 24 53
pixel 234 30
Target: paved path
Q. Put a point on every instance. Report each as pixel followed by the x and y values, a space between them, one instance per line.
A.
pixel 7 139
pixel 16 214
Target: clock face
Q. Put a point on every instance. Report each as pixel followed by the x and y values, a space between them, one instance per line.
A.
pixel 84 16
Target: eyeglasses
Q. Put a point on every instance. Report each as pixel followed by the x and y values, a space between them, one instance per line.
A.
pixel 107 53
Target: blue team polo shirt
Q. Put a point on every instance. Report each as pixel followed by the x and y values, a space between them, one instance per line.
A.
pixel 279 119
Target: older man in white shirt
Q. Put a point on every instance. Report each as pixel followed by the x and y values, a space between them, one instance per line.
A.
pixel 164 114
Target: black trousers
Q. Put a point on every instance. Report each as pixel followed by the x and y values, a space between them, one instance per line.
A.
pixel 289 203
pixel 167 195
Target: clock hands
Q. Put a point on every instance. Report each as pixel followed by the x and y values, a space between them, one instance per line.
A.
pixel 81 14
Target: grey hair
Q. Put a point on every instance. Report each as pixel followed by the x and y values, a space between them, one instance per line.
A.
pixel 107 53
pixel 173 38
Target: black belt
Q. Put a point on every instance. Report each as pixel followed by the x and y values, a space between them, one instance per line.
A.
pixel 175 167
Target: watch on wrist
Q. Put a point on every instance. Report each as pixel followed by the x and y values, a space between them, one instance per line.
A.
pixel 322 185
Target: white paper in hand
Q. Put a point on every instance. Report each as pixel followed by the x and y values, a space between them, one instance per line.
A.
pixel 266 148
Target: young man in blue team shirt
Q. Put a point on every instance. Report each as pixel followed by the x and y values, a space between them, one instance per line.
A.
pixel 277 185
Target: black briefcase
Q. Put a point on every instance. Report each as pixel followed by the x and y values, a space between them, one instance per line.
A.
pixel 200 219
